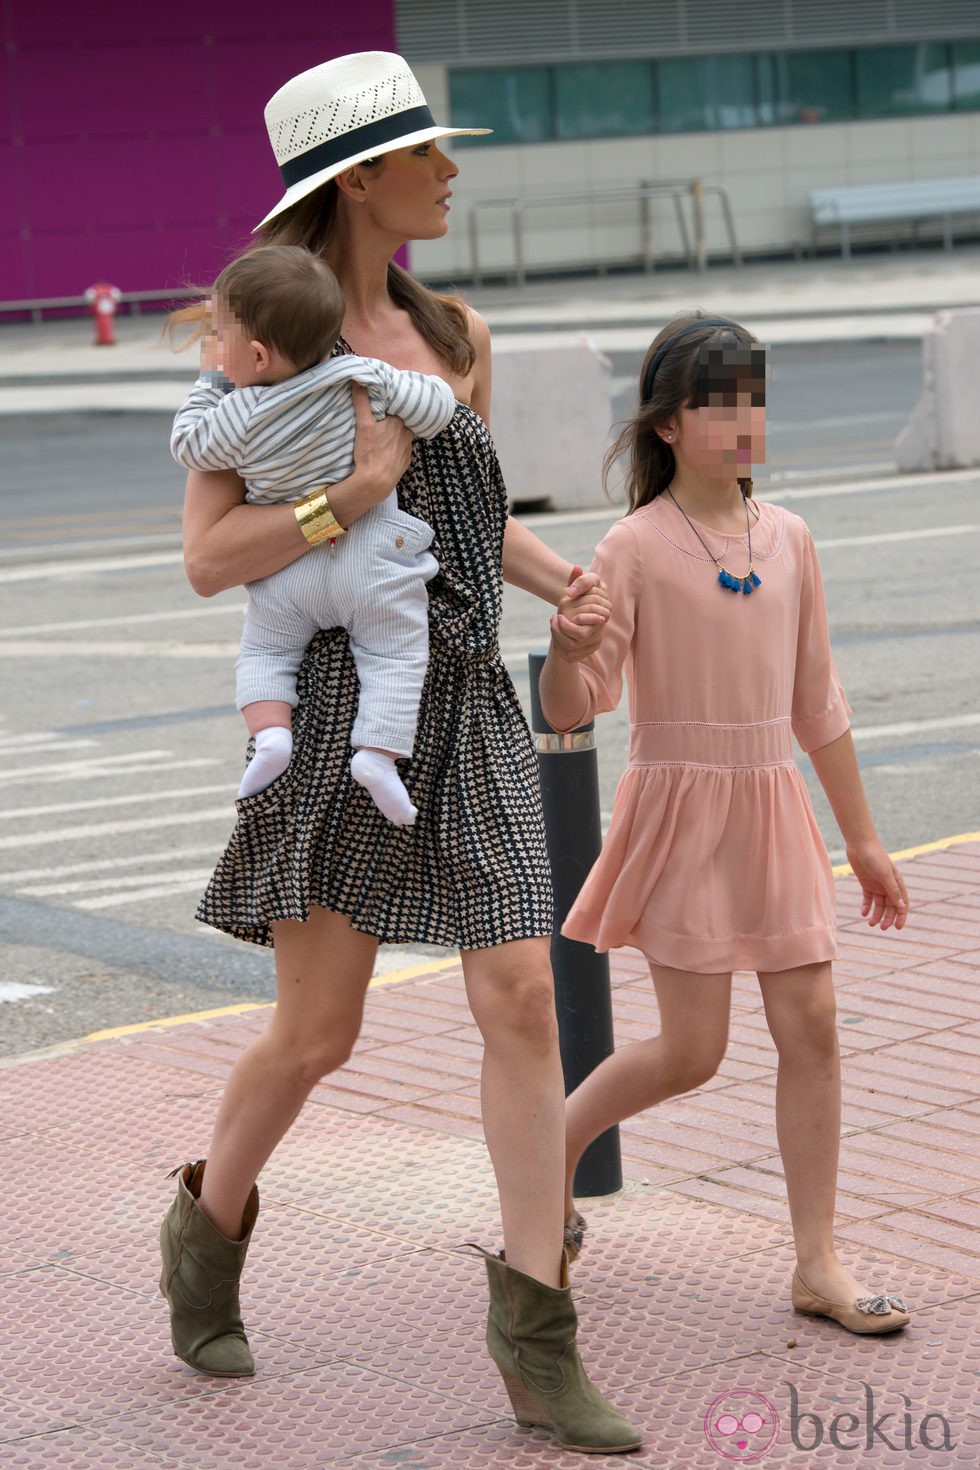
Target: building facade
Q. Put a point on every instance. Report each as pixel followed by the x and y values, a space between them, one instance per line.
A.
pixel 132 147
pixel 766 98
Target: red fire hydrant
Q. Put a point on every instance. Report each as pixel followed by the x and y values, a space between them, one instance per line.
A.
pixel 102 299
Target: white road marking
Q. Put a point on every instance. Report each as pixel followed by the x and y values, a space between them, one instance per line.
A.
pixel 29 742
pixel 165 890
pixel 137 797
pixel 14 990
pixel 88 568
pixel 105 770
pixel 916 727
pixel 233 609
pixel 122 763
pixel 115 829
pixel 95 865
pixel 91 885
pixel 169 648
pixel 923 533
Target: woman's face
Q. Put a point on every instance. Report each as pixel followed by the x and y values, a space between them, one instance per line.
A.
pixel 407 191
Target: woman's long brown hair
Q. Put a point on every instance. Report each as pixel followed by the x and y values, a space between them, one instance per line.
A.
pixel 441 320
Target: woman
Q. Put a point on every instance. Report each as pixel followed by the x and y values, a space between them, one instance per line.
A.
pixel 312 867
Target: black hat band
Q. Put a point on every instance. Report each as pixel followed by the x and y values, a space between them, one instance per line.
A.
pixel 359 140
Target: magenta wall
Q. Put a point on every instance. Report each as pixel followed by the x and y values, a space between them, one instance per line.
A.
pixel 132 146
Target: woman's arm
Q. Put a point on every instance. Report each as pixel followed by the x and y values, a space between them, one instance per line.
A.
pixel 885 901
pixel 227 542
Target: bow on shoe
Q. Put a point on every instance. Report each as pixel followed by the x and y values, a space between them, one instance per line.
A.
pixel 881 1305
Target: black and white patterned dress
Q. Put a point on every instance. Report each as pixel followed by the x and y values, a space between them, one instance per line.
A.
pixel 473 871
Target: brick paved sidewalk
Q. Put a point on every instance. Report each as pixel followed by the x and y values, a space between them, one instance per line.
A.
pixel 367 1322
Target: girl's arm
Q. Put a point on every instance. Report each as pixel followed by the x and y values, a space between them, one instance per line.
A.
pixel 227 542
pixel 565 696
pixel 885 901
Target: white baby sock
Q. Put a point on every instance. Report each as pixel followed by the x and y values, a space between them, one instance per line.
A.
pixel 273 751
pixel 377 773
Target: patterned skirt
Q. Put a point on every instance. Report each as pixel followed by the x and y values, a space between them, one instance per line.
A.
pixel 473 871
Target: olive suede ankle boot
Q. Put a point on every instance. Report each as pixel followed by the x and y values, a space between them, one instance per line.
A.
pixel 201 1272
pixel 531 1332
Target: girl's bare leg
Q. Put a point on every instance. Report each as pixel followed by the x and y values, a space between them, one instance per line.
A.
pixel 694 1012
pixel 511 995
pixel 801 1012
pixel 323 969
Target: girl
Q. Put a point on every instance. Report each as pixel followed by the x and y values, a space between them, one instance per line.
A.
pixel 713 861
pixel 313 867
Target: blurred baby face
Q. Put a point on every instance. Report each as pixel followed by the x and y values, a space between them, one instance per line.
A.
pixel 230 348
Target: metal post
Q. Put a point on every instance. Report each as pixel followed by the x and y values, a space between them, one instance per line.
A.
pixel 646 243
pixel 697 204
pixel 568 769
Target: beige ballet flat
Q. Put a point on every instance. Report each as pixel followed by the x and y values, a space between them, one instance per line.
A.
pixel 869 1315
pixel 575 1228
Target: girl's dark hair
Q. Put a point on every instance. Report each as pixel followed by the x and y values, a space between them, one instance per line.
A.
pixel 441 320
pixel 287 298
pixel 711 360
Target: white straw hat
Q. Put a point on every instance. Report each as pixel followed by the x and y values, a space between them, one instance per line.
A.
pixel 338 114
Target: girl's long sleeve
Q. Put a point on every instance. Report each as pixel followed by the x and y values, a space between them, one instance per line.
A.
pixel 618 562
pixel 820 708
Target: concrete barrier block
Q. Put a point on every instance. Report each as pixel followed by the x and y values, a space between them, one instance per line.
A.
pixel 550 416
pixel 943 432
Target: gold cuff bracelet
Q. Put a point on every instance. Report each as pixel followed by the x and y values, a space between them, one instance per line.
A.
pixel 316 520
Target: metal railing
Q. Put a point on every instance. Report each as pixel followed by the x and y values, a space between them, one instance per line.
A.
pixel 643 192
pixel 133 300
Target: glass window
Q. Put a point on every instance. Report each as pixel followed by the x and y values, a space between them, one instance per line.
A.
pixel 896 80
pixel 515 103
pixel 966 75
pixel 812 86
pixel 611 100
pixel 706 92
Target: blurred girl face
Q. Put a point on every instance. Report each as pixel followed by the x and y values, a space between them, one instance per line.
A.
pixel 723 439
pixel 407 191
pixel 725 435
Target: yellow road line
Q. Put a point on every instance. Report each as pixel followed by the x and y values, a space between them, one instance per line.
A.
pixel 431 967
pixel 843 869
pixel 410 972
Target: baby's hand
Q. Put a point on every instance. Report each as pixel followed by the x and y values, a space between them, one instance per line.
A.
pixel 584 610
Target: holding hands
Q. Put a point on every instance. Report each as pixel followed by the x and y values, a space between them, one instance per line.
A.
pixel 584 609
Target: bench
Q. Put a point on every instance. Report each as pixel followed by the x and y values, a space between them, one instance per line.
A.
pixel 912 201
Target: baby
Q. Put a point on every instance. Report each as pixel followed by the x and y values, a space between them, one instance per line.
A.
pixel 279 411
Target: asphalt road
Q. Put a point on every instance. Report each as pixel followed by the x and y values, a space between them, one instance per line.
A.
pixel 120 747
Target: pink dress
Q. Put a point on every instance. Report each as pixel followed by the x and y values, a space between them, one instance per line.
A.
pixel 713 860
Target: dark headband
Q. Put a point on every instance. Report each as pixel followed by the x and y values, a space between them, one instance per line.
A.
pixel 664 348
pixel 358 140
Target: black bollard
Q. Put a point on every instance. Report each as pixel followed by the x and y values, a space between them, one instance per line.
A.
pixel 569 774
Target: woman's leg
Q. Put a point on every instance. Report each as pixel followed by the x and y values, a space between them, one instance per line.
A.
pixel 532 1323
pixel 323 969
pixel 694 1012
pixel 802 1015
pixel 511 994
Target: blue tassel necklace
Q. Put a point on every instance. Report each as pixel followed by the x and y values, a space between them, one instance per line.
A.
pixel 727 579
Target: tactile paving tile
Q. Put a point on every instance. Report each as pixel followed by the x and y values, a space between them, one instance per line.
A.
pixel 384 1302
pixel 367 1324
pixel 303 1420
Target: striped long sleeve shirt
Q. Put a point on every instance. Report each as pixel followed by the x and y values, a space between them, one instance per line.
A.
pixel 287 438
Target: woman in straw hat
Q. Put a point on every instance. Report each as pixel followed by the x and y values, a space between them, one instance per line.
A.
pixel 313 868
